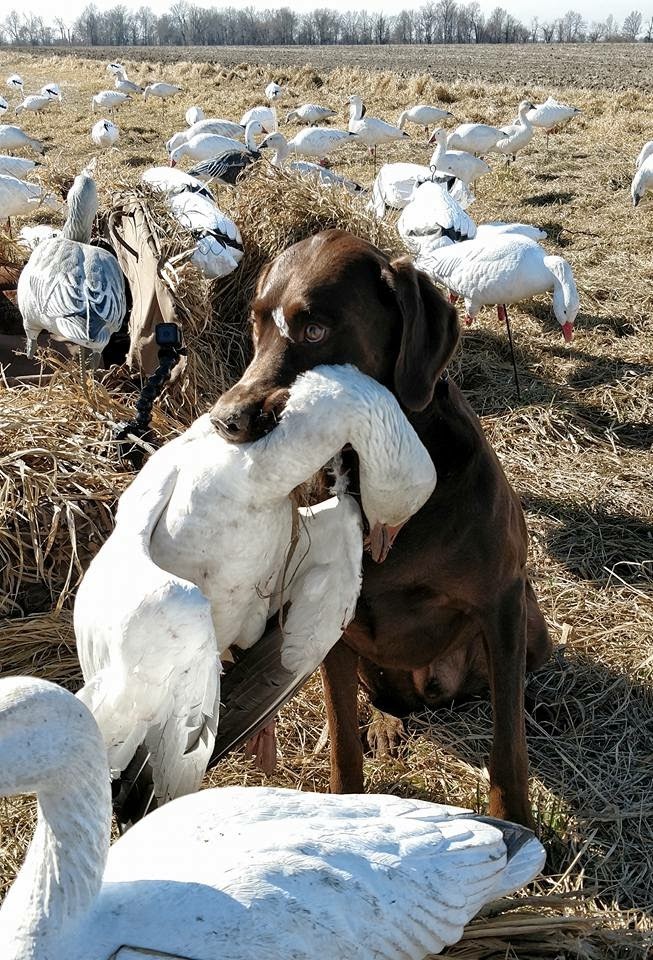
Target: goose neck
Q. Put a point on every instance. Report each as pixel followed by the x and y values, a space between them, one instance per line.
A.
pixel 82 208
pixel 355 109
pixel 250 142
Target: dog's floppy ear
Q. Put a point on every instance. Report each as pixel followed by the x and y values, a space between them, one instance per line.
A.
pixel 429 337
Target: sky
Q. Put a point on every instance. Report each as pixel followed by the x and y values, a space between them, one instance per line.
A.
pixel 522 9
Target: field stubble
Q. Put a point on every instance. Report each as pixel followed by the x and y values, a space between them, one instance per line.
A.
pixel 576 448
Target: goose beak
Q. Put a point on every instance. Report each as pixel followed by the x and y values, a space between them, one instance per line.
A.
pixel 568 331
pixel 173 163
pixel 381 539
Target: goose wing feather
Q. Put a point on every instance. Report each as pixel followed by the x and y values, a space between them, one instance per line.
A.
pixel 434 210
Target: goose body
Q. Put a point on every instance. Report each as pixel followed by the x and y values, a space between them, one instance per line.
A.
pixel 15 83
pixel 13 138
pixel 456 163
pixel 310 113
pixel 105 133
pixel 170 180
pixel 433 218
pixel 645 152
pixel 227 165
pixel 303 168
pixel 193 115
pixel 52 90
pixel 474 137
pixel 73 290
pixel 34 103
pixel 203 146
pixel 16 166
pixel 504 269
pixel 227 870
pixel 115 69
pixel 162 90
pixel 394 185
pixel 30 237
pixel 273 91
pixel 424 115
pixel 20 199
pixel 310 142
pixel 223 128
pixel 643 180
pixel 370 130
pixel 4 106
pixel 200 501
pixel 219 247
pixel 124 85
pixel 551 114
pixel 517 135
pixel 266 116
pixel 109 100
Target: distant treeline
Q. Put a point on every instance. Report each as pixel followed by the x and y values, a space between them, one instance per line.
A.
pixel 184 25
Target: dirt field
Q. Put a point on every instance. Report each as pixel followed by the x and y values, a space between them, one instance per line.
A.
pixel 614 66
pixel 577 447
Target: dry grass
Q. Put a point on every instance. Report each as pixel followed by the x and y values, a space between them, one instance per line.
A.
pixel 576 448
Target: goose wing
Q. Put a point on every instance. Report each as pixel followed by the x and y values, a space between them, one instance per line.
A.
pixel 225 167
pixel 434 211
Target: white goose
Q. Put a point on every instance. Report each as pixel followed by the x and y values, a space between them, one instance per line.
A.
pixel 13 138
pixel 456 163
pixel 551 116
pixel 503 269
pixel 266 116
pixel 71 289
pixel 105 133
pixel 223 128
pixel 645 152
pixel 395 184
pixel 205 145
pixel 115 69
pixel 109 100
pixel 310 113
pixel 433 219
pixel 15 83
pixel 34 103
pixel 53 91
pixel 370 130
pixel 221 872
pixel 219 246
pixel 517 135
pixel 424 115
pixel 122 83
pixel 170 180
pixel 161 90
pixel 310 142
pixel 4 106
pixel 30 237
pixel 226 167
pixel 200 500
pixel 21 199
pixel 303 168
pixel 273 91
pixel 643 180
pixel 16 166
pixel 474 137
pixel 193 115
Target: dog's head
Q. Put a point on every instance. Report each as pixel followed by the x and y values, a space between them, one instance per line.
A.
pixel 334 299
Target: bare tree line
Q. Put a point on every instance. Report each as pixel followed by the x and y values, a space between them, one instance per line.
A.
pixel 444 21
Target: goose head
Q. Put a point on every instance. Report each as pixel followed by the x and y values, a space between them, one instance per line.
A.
pixel 177 153
pixel 566 302
pixel 439 137
pixel 115 68
pixel 356 106
pixel 176 140
pixel 524 108
pixel 292 115
pixel 275 141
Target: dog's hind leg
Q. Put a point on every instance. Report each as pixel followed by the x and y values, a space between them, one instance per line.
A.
pixel 340 681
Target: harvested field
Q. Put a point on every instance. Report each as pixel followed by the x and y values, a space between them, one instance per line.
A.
pixel 577 448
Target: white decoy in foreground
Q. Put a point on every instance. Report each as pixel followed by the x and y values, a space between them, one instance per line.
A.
pixel 15 83
pixel 517 135
pixel 16 166
pixel 551 116
pixel 170 180
pixel 109 100
pixel 643 180
pixel 30 237
pixel 310 113
pixel 303 168
pixel 13 138
pixel 21 199
pixel 645 152
pixel 218 873
pixel 424 115
pixel 474 137
pixel 200 500
pixel 456 163
pixel 223 128
pixel 4 106
pixel 73 290
pixel 370 130
pixel 266 116
pixel 205 145
pixel 34 103
pixel 105 133
pixel 433 219
pixel 395 184
pixel 161 90
pixel 193 115
pixel 219 246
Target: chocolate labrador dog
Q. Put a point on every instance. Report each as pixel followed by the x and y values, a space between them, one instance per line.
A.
pixel 451 608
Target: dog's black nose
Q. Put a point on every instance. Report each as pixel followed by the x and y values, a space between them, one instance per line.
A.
pixel 234 426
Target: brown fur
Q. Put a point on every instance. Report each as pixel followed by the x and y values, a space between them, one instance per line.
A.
pixel 451 609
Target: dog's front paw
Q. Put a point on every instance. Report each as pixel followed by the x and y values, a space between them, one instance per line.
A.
pixel 385 735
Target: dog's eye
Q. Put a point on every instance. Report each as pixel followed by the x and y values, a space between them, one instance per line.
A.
pixel 314 332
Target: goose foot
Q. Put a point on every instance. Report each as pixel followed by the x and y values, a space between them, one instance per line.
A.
pixel 468 320
pixel 263 746
pixel 453 297
pixel 385 735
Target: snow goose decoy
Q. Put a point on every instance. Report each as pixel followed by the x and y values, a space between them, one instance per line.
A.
pixel 310 113
pixel 34 103
pixel 226 166
pixel 73 290
pixel 115 69
pixel 267 116
pixel 551 116
pixel 13 138
pixel 170 180
pixel 273 92
pixel 433 219
pixel 15 83
pixel 105 133
pixel 474 137
pixel 53 91
pixel 219 246
pixel 109 100
pixel 645 152
pixel 20 199
pixel 395 184
pixel 200 499
pixel 424 115
pixel 517 135
pixel 211 874
pixel 30 237
pixel 203 146
pixel 642 181
pixel 310 142
pixel 4 106
pixel 16 166
pixel 193 115
pixel 223 128
pixel 123 84
pixel 161 90
pixel 456 163
pixel 303 168
pixel 370 130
